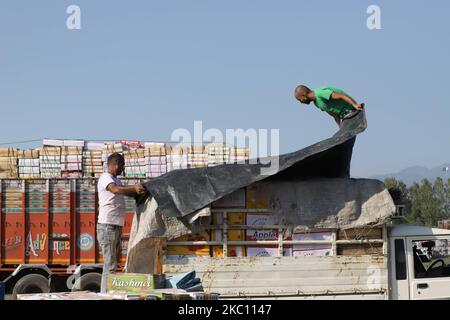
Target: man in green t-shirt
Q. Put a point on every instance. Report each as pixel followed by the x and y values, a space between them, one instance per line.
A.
pixel 334 101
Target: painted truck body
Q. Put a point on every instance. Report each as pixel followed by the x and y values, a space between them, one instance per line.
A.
pixel 48 233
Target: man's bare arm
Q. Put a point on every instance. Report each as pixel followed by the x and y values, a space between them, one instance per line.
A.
pixel 130 191
pixel 346 98
pixel 336 118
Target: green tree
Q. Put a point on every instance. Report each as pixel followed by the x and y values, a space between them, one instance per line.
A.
pixel 392 183
pixel 440 192
pixel 426 208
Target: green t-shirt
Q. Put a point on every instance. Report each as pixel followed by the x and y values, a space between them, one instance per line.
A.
pixel 325 103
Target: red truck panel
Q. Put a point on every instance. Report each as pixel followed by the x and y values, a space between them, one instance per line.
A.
pixel 60 221
pixel 13 219
pixel 53 222
pixel 86 205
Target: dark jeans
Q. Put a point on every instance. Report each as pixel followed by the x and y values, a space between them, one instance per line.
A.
pixel 108 237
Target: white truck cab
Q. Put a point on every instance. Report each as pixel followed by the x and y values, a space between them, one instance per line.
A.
pixel 419 263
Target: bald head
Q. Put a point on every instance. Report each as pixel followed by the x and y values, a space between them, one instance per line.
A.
pixel 301 90
pixel 302 94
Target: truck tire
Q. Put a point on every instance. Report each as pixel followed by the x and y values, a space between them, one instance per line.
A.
pixel 31 283
pixel 88 282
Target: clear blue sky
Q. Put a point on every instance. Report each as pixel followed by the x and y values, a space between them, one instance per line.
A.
pixel 140 69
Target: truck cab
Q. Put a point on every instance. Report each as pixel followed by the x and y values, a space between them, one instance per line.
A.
pixel 419 263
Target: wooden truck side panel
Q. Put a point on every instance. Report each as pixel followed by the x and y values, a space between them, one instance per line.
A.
pixel 294 277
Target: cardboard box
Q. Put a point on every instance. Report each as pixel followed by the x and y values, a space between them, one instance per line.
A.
pixel 94 146
pixel 155 152
pixel 136 169
pixel 72 158
pixel 156 294
pixel 149 145
pixel 49 165
pixel 233 251
pixel 29 170
pixel 135 282
pixel 312 249
pixel 50 151
pixel 7 167
pixel 50 158
pixel 258 197
pixel 189 249
pixel 8 152
pixel 93 162
pixel 134 153
pixel 272 251
pixel 71 166
pixel 135 162
pixel 71 151
pixel 155 160
pixel 29 162
pixel 261 220
pixel 28 153
pixel 30 176
pixel 8 175
pixel 74 143
pixel 52 143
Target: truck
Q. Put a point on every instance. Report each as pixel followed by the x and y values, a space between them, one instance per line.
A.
pixel 48 243
pixel 388 260
pixel 48 235
pixel 394 267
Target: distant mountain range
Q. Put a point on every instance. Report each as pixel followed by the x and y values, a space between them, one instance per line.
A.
pixel 418 173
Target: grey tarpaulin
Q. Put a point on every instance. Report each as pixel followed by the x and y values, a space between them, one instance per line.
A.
pixel 181 192
pixel 310 187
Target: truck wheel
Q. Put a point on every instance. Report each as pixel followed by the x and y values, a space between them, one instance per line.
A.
pixel 31 283
pixel 88 282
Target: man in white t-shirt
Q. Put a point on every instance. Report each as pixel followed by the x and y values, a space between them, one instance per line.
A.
pixel 111 203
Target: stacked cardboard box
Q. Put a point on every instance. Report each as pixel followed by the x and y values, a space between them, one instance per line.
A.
pixel 71 162
pixel 8 163
pixel 197 156
pixel 93 146
pixel 239 155
pixel 108 149
pixel 218 153
pixel 52 143
pixel 93 159
pixel 135 163
pixel 92 163
pixel 176 252
pixel 29 164
pixel 312 249
pixel 155 159
pixel 50 162
pixel 131 144
pixel 233 219
pixel 177 158
pixel 265 219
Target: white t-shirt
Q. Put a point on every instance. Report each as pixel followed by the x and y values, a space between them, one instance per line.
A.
pixel 111 206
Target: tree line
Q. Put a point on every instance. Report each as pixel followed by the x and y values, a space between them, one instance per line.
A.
pixel 426 203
